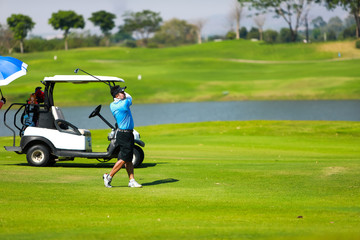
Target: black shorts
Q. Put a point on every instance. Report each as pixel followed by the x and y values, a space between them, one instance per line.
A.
pixel 126 142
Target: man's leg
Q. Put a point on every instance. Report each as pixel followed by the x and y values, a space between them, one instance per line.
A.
pixel 108 177
pixel 130 169
pixel 118 165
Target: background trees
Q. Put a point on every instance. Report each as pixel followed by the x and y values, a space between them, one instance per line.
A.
pixel 292 11
pixel 6 37
pixel 175 32
pixel 105 21
pixel 142 24
pixel 259 21
pixel 65 20
pixel 353 6
pixel 140 28
pixel 199 25
pixel 236 14
pixel 20 25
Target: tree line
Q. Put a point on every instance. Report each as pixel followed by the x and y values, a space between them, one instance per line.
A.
pixel 296 12
pixel 146 28
pixel 319 30
pixel 138 29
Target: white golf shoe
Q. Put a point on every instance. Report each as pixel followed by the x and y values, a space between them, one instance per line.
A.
pixel 107 180
pixel 133 183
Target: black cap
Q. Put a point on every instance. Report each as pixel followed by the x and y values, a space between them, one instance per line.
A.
pixel 116 89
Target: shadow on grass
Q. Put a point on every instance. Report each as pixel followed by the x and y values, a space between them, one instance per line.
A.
pixel 163 181
pixel 157 182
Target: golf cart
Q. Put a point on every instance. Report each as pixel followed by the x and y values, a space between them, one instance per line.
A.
pixel 49 138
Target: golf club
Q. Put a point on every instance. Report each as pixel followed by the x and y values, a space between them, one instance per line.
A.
pixel 77 70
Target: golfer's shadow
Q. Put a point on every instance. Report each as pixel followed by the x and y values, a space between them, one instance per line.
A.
pixel 163 181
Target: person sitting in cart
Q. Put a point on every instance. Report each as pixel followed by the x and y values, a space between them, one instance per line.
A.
pixel 120 108
pixel 31 111
pixel 40 97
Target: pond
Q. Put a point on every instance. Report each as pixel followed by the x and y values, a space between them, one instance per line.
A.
pixel 153 114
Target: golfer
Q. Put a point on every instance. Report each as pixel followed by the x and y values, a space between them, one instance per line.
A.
pixel 120 109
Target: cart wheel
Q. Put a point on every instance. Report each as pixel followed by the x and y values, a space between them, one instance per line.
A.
pixel 138 156
pixel 38 155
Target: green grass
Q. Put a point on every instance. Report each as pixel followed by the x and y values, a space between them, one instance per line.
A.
pixel 244 69
pixel 214 180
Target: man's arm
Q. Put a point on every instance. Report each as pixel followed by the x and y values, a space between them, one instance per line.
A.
pixel 128 96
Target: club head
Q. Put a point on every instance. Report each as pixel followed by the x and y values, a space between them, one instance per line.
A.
pixel 76 70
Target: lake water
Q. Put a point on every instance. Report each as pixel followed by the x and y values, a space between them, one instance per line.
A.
pixel 153 114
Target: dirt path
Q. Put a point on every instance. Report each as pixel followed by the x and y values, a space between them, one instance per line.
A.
pixel 288 62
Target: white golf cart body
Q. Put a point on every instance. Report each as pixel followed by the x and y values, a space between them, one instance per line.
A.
pixel 54 139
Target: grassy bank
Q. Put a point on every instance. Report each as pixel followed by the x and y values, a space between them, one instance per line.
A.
pixel 216 71
pixel 217 180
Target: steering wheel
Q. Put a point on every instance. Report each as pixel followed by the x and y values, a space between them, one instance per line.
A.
pixel 95 112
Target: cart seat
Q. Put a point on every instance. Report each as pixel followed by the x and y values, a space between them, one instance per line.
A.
pixel 64 126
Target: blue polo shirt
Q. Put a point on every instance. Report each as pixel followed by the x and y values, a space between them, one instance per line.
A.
pixel 121 112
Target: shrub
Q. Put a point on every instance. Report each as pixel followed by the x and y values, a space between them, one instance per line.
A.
pixel 243 32
pixel 253 33
pixel 331 36
pixel 230 35
pixel 270 36
pixel 285 35
pixel 130 43
pixel 152 45
pixel 357 44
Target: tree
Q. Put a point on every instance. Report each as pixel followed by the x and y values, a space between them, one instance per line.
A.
pixel 230 35
pixel 318 22
pixel 270 36
pixel 243 32
pixel 316 34
pixel 105 21
pixel 305 19
pixel 259 22
pixel 236 14
pixel 20 25
pixel 65 20
pixel 142 24
pixel 285 35
pixel 349 32
pixel 353 6
pixel 335 26
pixel 291 11
pixel 350 27
pixel 319 26
pixel 6 38
pixel 176 32
pixel 253 33
pixel 331 36
pixel 199 24
pixel 122 35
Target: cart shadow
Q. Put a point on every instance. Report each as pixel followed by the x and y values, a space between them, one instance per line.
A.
pixel 89 165
pixel 99 165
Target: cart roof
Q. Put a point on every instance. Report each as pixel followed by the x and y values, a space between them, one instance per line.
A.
pixel 81 79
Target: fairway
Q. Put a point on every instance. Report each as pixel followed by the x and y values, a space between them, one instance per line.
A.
pixel 213 180
pixel 213 71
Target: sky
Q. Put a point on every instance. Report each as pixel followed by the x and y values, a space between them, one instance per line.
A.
pixel 215 13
